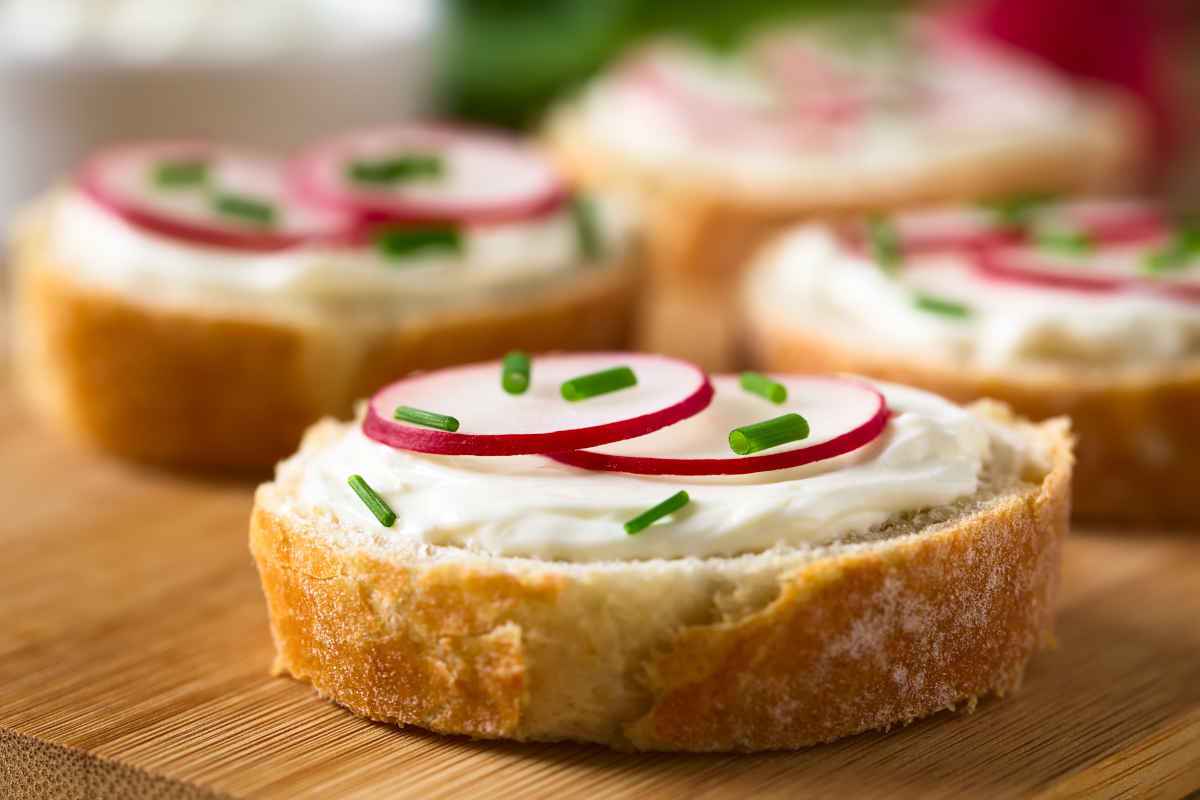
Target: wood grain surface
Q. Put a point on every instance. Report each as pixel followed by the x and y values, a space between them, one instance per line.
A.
pixel 134 654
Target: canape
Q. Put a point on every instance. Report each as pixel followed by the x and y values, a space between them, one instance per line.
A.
pixel 617 548
pixel 195 304
pixel 1089 309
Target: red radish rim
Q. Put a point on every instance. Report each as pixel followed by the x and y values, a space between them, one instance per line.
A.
pixel 848 442
pixel 1138 225
pixel 90 182
pixel 304 178
pixel 857 239
pixel 430 440
pixel 994 265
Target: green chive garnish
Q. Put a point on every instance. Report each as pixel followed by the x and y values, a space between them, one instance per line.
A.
pixel 514 372
pixel 1018 211
pixel 393 170
pixel 587 229
pixel 757 383
pixel 1179 252
pixel 940 305
pixel 248 209
pixel 651 515
pixel 397 243
pixel 885 243
pixel 180 174
pixel 379 507
pixel 597 383
pixel 1066 241
pixel 429 419
pixel 767 434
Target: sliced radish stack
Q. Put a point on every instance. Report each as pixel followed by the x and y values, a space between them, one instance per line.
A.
pixel 1109 268
pixel 206 194
pixel 478 177
pixel 843 415
pixel 496 423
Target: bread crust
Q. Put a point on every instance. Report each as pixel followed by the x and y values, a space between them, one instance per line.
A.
pixel 136 378
pixel 1136 426
pixel 702 228
pixel 855 639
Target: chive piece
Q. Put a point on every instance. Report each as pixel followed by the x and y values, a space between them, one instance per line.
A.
pixel 399 243
pixel 1183 247
pixel 379 507
pixel 651 515
pixel 769 433
pixel 181 174
pixel 248 209
pixel 429 419
pixel 587 228
pixel 757 383
pixel 885 243
pixel 1018 210
pixel 418 166
pixel 596 383
pixel 514 372
pixel 941 305
pixel 1066 241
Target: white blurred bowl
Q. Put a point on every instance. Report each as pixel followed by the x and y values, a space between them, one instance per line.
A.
pixel 56 107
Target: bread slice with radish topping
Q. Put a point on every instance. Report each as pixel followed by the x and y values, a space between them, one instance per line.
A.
pixel 1088 308
pixel 523 597
pixel 199 304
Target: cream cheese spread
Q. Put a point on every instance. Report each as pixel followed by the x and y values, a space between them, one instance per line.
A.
pixel 931 453
pixel 811 279
pixel 103 250
pixel 988 103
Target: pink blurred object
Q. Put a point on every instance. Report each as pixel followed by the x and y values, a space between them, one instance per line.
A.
pixel 1119 42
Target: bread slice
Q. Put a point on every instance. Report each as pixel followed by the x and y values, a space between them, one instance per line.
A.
pixel 703 226
pixel 779 649
pixel 1136 426
pixel 183 385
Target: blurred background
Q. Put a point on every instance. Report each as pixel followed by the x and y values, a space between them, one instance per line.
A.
pixel 75 74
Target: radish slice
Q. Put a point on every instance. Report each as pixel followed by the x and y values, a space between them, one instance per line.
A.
pixel 731 105
pixel 823 87
pixel 843 415
pixel 969 229
pixel 495 423
pixel 1118 268
pixel 483 177
pixel 130 183
pixel 942 230
pixel 1112 221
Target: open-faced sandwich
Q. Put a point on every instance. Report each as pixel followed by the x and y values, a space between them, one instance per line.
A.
pixel 818 121
pixel 615 548
pixel 1089 309
pixel 196 304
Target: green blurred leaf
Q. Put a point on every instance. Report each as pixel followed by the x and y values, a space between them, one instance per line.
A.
pixel 508 59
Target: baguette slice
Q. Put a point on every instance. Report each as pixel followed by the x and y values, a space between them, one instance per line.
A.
pixel 778 649
pixel 183 385
pixel 1136 421
pixel 1136 426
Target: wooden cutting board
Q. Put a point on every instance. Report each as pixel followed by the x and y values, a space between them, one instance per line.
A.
pixel 134 654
